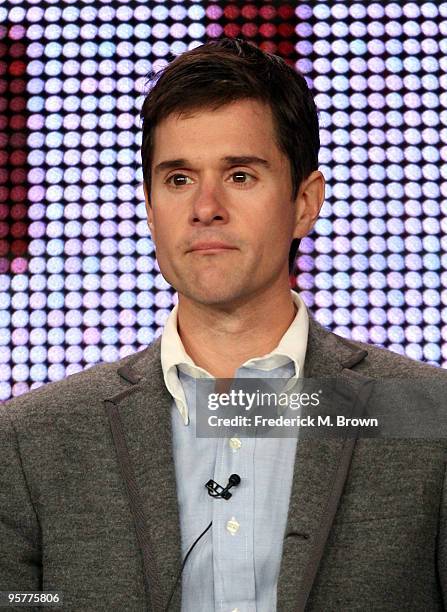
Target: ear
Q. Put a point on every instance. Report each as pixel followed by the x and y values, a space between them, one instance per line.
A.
pixel 308 203
pixel 149 211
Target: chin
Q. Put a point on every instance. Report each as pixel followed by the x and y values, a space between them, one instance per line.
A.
pixel 213 296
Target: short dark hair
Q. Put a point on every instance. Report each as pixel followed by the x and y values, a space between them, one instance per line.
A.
pixel 228 69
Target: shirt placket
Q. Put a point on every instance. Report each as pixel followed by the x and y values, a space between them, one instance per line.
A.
pixel 233 528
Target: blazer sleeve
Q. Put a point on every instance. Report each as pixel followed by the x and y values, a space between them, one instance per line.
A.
pixel 20 547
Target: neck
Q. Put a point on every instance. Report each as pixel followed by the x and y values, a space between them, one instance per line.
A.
pixel 220 340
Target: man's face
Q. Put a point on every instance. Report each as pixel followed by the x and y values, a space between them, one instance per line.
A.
pixel 204 195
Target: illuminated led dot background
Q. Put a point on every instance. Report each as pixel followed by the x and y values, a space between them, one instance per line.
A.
pixel 78 280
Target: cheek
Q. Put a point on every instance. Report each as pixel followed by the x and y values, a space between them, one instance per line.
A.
pixel 274 238
pixel 166 241
pixel 160 227
pixel 162 242
pixel 277 228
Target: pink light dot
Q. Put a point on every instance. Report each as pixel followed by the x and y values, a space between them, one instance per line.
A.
pixel 17 32
pixel 19 265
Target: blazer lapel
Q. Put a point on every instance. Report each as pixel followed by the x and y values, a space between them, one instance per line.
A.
pixel 321 468
pixel 140 421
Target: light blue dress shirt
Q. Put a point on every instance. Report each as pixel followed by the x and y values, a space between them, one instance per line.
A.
pixel 235 565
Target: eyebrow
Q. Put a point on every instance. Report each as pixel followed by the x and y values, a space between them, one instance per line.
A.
pixel 230 160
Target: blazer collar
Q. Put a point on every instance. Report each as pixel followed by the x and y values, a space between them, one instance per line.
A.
pixel 140 420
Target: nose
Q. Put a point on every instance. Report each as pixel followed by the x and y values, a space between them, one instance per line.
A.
pixel 208 206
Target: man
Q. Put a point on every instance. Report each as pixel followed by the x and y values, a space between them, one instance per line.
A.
pixel 102 480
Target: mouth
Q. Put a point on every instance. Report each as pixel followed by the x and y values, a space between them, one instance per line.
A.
pixel 211 247
pixel 211 251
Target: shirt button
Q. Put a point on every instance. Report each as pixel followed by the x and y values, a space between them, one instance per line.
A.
pixel 235 443
pixel 233 526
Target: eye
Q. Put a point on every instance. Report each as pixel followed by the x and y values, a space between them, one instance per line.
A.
pixel 240 175
pixel 179 180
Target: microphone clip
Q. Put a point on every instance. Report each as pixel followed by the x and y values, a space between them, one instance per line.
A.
pixel 216 490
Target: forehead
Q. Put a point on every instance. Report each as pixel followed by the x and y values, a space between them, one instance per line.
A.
pixel 210 133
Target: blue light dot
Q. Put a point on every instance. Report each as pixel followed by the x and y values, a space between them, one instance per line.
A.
pixel 20 373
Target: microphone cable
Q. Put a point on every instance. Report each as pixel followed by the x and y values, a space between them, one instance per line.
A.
pixel 183 565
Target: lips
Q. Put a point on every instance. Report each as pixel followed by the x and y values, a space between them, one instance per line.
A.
pixel 211 246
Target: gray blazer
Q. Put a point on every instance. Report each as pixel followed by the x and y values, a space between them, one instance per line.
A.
pixel 88 503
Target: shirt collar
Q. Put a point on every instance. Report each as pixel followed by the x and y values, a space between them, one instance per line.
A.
pixel 292 346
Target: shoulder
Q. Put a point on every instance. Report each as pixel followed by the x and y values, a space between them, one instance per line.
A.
pixel 407 397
